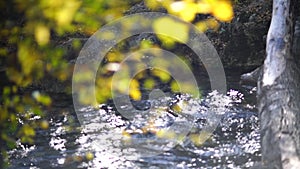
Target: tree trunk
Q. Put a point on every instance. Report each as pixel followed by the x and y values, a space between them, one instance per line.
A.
pixel 279 92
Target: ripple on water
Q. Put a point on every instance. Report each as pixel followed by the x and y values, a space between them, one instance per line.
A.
pixel 117 142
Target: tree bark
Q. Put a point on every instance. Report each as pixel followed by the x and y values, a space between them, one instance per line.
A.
pixel 279 92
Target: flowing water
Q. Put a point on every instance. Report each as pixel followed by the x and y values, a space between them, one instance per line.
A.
pixel 163 137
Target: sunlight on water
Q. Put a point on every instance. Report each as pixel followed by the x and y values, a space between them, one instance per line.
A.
pixel 166 135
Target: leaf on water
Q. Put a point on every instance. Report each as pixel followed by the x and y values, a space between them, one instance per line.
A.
pixel 89 156
pixel 165 133
pixel 199 138
pixel 44 124
pixel 176 108
pixel 170 134
pixel 126 135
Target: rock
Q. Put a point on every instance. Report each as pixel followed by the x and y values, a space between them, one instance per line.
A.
pixel 241 43
pixel 252 77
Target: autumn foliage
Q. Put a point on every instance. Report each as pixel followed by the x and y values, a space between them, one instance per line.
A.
pixel 32 32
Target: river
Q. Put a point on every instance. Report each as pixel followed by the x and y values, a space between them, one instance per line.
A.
pixel 107 140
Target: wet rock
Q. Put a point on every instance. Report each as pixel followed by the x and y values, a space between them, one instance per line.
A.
pixel 251 78
pixel 242 42
pixel 141 104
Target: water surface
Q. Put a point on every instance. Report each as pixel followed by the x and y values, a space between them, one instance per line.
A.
pixel 107 139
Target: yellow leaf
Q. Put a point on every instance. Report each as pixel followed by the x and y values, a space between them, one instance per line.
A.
pixel 28 131
pixel 134 91
pixel 122 85
pixel 114 57
pixel 171 28
pixel 199 139
pixel 223 11
pixel 6 90
pixel 42 34
pixel 134 84
pixel 175 86
pixel 202 26
pixel 164 133
pixel 108 35
pixel 186 10
pixel 44 124
pixel 27 57
pixel 164 76
pixel 152 4
pixel 89 156
pixel 177 6
pixel 135 94
pixel 3 52
pixel 15 76
pixel 140 75
pixel 66 13
pixel 85 96
pixel 210 23
pixel 146 44
pixel 204 7
pixel 149 84
pixel 63 17
pixel 176 108
pixel 46 100
pixel 166 41
pixel 125 134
